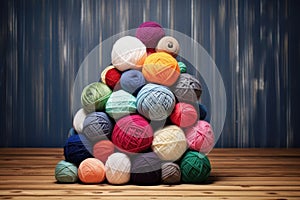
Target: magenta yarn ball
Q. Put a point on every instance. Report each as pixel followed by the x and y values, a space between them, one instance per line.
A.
pixel 132 134
pixel 200 137
pixel 150 33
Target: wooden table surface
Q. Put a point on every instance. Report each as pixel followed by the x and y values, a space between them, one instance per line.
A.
pixel 28 173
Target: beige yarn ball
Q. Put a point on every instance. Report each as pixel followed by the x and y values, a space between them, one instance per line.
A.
pixel 118 168
pixel 79 119
pixel 169 143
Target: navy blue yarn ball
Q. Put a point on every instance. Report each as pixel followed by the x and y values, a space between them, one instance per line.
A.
pixel 202 111
pixel 77 149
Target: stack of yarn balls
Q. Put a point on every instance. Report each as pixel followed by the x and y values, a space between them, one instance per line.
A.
pixel 142 123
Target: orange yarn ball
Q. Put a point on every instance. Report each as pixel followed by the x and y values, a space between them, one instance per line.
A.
pixel 161 68
pixel 103 149
pixel 91 170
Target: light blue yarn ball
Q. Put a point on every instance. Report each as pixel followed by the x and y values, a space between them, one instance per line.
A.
pixel 66 172
pixel 132 80
pixel 155 102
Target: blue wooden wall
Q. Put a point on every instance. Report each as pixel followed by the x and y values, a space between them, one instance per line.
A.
pixel 254 43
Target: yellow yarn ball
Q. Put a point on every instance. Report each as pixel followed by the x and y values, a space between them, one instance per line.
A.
pixel 161 68
pixel 169 143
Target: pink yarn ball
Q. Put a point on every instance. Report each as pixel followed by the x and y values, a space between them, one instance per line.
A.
pixel 132 133
pixel 200 137
pixel 150 33
pixel 184 115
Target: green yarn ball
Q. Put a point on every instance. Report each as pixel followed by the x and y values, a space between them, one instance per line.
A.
pixel 66 172
pixel 120 104
pixel 195 167
pixel 182 67
pixel 94 96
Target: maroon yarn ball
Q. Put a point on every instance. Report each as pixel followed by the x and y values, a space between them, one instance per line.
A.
pixel 112 78
pixel 150 33
pixel 184 115
pixel 132 133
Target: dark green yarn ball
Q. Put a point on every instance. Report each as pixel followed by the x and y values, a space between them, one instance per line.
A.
pixel 94 97
pixel 195 167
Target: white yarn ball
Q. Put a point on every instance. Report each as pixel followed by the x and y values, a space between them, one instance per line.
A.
pixel 128 53
pixel 169 143
pixel 79 119
pixel 117 168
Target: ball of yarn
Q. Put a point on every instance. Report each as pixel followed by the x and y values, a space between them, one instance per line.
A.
pixel 91 170
pixel 131 80
pixel 184 115
pixel 72 132
pixel 146 169
pixel 150 33
pixel 161 68
pixel 103 149
pixel 66 172
pixel 94 96
pixel 128 53
pixel 78 120
pixel 203 111
pixel 110 76
pixel 132 133
pixel 182 67
pixel 117 168
pixel 119 104
pixel 169 45
pixel 170 173
pixel 97 126
pixel 187 88
pixel 155 102
pixel 169 143
pixel 200 137
pixel 77 149
pixel 195 167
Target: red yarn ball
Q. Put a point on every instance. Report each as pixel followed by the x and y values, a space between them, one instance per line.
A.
pixel 112 78
pixel 184 115
pixel 132 133
pixel 103 149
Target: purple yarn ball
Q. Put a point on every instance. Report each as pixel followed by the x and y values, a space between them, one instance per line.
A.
pixel 150 33
pixel 146 169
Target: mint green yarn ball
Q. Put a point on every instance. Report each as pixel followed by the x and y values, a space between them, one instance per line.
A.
pixel 195 167
pixel 66 172
pixel 94 96
pixel 120 104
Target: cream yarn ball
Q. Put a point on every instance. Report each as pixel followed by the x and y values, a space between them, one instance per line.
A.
pixel 79 119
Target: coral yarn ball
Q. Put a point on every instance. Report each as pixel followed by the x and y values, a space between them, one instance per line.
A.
pixel 94 96
pixel 103 149
pixel 200 137
pixel 146 169
pixel 133 134
pixel 169 45
pixel 111 77
pixel 155 102
pixel 91 170
pixel 117 169
pixel 169 143
pixel 128 53
pixel 161 68
pixel 184 115
pixel 187 88
pixel 150 33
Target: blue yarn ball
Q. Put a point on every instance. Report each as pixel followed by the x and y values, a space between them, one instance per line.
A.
pixel 202 111
pixel 132 80
pixel 72 132
pixel 97 126
pixel 155 102
pixel 77 149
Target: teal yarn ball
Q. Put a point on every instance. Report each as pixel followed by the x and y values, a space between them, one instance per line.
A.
pixel 155 102
pixel 182 67
pixel 94 96
pixel 120 104
pixel 66 172
pixel 195 167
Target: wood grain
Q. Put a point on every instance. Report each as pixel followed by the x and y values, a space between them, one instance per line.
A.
pixel 28 173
